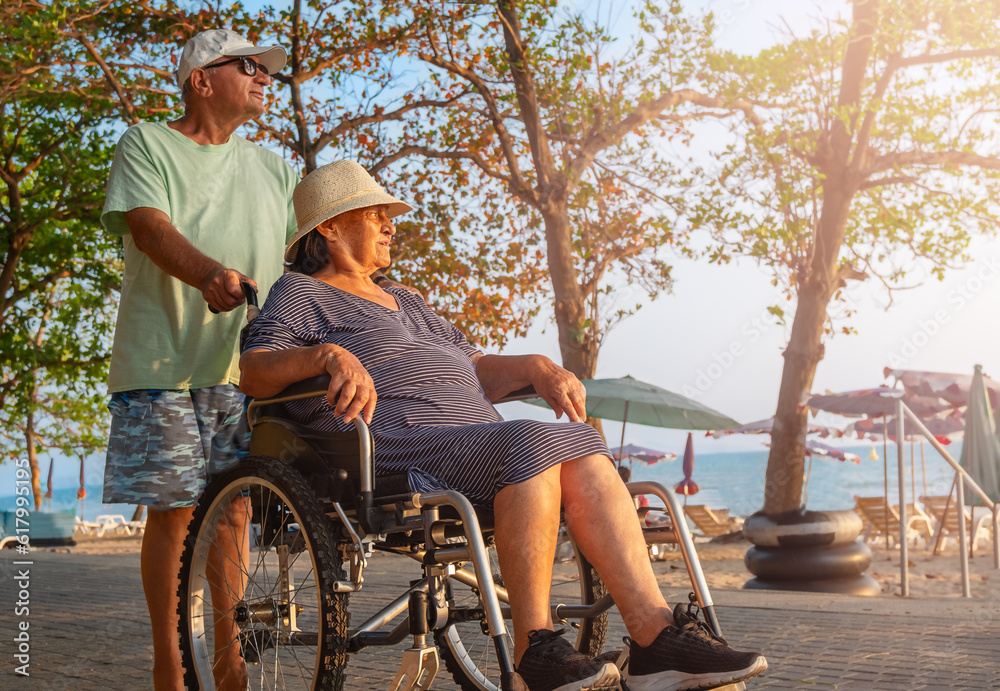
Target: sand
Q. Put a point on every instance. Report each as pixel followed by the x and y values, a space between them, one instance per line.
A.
pixel 722 560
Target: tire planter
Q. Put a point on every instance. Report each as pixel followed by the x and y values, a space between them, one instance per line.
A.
pixel 803 529
pixel 811 551
pixel 865 586
pixel 809 563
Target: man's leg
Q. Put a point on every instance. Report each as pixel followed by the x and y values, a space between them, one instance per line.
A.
pixel 162 544
pixel 227 581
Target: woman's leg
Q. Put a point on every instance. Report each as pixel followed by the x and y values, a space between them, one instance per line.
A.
pixel 526 520
pixel 601 517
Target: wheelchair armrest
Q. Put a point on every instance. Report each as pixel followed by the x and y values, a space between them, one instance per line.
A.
pixel 313 386
pixel 519 395
pixel 318 385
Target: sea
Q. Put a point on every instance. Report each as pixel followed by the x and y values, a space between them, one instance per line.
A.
pixel 733 480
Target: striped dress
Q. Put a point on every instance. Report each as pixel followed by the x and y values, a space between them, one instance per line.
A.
pixel 432 420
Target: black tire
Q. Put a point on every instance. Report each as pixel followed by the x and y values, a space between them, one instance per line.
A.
pixel 285 520
pixel 809 563
pixel 468 652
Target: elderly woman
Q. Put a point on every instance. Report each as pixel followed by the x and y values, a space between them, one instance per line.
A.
pixel 434 421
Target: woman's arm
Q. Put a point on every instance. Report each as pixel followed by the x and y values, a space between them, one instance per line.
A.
pixel 501 374
pixel 266 373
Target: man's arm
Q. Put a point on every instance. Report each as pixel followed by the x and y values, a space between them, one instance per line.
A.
pixel 501 374
pixel 266 373
pixel 156 237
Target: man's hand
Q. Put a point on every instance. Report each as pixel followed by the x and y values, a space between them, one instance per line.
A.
pixel 352 390
pixel 560 389
pixel 222 290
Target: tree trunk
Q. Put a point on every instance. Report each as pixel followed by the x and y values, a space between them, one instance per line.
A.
pixel 29 442
pixel 570 310
pixel 819 280
pixel 786 461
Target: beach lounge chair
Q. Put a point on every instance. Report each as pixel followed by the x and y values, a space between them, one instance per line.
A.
pixel 881 519
pixel 947 521
pixel 137 527
pixel 82 527
pixel 113 525
pixel 712 522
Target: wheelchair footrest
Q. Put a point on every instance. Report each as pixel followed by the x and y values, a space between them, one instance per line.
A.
pixel 417 672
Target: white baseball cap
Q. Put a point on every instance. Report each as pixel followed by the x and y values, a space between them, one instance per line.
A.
pixel 209 46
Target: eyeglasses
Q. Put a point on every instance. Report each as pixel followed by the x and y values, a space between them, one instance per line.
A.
pixel 250 67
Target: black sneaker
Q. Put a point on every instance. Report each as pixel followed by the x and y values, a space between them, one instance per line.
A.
pixel 689 656
pixel 551 663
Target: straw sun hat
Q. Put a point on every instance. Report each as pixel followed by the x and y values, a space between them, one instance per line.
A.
pixel 330 191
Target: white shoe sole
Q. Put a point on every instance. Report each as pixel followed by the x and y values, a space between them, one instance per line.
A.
pixel 606 679
pixel 672 680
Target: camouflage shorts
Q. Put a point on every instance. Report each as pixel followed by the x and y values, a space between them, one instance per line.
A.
pixel 165 445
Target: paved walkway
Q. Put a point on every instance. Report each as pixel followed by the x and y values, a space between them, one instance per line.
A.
pixel 88 630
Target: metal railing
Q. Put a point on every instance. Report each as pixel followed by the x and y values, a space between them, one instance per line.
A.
pixel 902 411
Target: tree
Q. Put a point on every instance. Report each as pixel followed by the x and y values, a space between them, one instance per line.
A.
pixel 61 97
pixel 346 90
pixel 565 133
pixel 866 147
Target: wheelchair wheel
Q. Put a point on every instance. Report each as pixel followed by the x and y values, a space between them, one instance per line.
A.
pixel 264 591
pixel 467 649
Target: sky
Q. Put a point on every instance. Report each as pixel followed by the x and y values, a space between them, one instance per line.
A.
pixel 713 340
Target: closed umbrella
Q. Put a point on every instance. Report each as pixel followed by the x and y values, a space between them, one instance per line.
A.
pixel 981 450
pixel 48 482
pixel 48 485
pixel 82 491
pixel 687 486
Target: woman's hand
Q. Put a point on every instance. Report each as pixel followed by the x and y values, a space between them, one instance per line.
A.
pixel 352 390
pixel 265 373
pixel 560 388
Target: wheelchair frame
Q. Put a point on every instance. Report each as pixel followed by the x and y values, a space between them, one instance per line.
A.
pixel 439 529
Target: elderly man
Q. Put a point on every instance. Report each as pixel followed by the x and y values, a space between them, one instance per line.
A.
pixel 199 210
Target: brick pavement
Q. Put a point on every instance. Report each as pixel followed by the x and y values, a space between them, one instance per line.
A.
pixel 88 628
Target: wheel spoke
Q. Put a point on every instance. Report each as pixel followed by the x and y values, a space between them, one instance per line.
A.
pixel 240 586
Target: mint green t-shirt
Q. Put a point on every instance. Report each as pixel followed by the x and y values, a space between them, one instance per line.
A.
pixel 233 202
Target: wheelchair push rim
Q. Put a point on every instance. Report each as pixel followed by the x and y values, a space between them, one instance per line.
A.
pixel 277 603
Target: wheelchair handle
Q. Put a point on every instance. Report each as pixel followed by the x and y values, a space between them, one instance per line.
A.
pixel 251 294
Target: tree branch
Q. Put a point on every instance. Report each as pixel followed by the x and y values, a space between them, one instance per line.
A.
pixel 931 158
pixel 126 105
pixel 427 152
pixel 517 182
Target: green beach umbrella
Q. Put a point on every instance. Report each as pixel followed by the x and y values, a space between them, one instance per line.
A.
pixel 981 448
pixel 630 400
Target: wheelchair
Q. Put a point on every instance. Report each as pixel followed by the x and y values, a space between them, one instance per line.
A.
pixel 282 538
